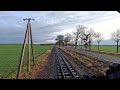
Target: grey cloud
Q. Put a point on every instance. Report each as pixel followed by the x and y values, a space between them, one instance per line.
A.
pixel 12 26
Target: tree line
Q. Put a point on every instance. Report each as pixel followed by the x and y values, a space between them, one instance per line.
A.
pixel 86 37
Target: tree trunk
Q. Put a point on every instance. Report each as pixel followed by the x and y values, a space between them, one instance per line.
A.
pixel 76 41
pixel 98 46
pixel 117 46
pixel 81 44
pixel 90 45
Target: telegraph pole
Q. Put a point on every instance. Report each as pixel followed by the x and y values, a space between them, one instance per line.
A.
pixel 28 68
pixel 28 32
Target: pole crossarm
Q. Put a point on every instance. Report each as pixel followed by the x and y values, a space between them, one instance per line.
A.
pixel 28 19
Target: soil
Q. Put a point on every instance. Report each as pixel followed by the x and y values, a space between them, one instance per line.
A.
pixel 44 69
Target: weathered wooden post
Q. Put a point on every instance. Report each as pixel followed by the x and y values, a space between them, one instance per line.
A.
pixel 28 32
pixel 32 45
pixel 28 67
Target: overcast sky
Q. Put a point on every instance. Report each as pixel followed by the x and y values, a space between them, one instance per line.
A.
pixel 48 24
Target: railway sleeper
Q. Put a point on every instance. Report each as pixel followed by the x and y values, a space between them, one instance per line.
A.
pixel 69 77
pixel 60 73
pixel 64 66
pixel 67 73
pixel 66 70
pixel 60 77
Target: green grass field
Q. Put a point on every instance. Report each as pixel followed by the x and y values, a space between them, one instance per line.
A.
pixel 10 57
pixel 107 48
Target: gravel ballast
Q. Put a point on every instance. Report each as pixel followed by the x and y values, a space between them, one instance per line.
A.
pixel 86 66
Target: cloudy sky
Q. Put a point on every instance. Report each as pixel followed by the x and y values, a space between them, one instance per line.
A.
pixel 48 24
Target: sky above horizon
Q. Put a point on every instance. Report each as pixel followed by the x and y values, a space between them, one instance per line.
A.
pixel 48 24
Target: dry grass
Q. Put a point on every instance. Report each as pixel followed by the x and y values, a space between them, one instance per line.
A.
pixel 40 62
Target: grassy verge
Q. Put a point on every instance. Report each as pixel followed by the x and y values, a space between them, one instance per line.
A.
pixel 10 57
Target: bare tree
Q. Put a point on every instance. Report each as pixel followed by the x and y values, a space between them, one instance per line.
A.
pixel 80 29
pixel 99 38
pixel 67 38
pixel 116 37
pixel 72 40
pixel 91 34
pixel 81 36
pixel 86 40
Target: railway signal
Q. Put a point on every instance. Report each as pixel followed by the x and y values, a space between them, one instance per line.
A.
pixel 29 34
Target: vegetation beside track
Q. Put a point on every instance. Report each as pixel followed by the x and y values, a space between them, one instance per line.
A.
pixel 10 57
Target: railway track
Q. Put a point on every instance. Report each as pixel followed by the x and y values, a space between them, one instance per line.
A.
pixel 65 70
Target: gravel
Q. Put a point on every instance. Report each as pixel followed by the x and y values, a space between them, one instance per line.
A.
pixel 86 66
pixel 77 65
pixel 98 56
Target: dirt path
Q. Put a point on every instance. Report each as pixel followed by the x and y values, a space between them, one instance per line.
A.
pixel 45 68
pixel 48 69
pixel 99 56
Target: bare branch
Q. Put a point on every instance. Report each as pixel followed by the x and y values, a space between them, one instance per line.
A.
pixel 79 33
pixel 115 35
pixel 99 37
pixel 67 38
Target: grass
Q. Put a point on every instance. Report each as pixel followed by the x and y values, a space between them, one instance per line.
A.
pixel 10 57
pixel 107 48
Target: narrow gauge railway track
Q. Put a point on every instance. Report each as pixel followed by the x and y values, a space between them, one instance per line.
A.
pixel 65 70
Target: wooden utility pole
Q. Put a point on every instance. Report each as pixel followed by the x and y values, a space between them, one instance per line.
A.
pixel 29 33
pixel 28 68
pixel 32 45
